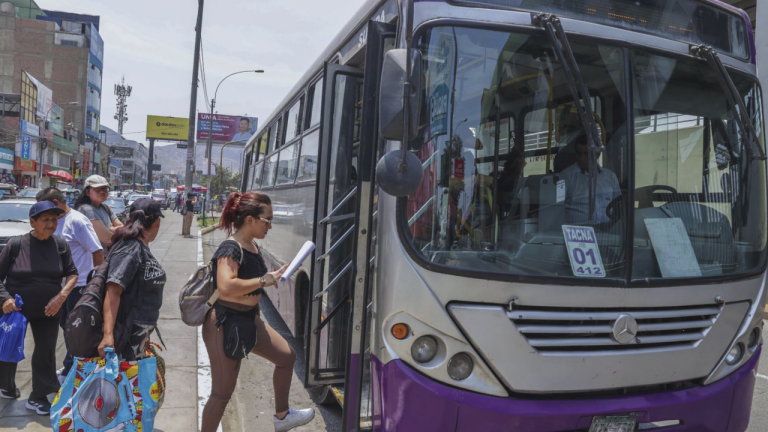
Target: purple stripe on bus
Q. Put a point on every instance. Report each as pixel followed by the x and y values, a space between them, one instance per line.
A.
pixel 409 401
pixel 351 398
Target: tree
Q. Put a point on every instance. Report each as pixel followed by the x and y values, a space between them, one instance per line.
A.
pixel 228 179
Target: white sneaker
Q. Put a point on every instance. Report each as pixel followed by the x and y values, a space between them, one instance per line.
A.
pixel 293 418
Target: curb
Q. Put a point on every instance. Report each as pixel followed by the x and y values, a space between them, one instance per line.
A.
pixel 206 230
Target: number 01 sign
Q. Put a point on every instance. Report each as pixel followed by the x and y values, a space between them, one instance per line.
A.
pixel 583 251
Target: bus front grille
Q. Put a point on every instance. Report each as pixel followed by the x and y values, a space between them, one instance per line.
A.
pixel 553 330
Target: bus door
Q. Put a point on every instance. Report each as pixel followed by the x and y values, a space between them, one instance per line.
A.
pixel 358 400
pixel 333 269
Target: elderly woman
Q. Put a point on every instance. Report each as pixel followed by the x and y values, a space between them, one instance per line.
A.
pixel 90 202
pixel 33 266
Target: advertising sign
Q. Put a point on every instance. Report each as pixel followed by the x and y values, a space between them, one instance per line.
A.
pixel 167 128
pixel 26 146
pixel 6 159
pixel 121 152
pixel 29 129
pixel 21 165
pixel 55 119
pixel 44 97
pixel 226 128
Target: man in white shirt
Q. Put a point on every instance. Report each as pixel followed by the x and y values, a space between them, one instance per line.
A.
pixel 86 248
pixel 576 179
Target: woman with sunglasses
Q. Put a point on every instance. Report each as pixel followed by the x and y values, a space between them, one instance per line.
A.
pixel 241 275
pixel 90 202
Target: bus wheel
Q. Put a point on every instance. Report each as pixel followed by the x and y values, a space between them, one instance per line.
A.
pixel 324 395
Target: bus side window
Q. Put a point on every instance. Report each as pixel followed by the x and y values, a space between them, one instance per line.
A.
pixel 315 105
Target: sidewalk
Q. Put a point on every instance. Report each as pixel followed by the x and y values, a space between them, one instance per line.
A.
pixel 178 256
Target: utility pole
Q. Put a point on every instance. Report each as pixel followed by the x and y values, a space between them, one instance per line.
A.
pixel 193 102
pixel 122 92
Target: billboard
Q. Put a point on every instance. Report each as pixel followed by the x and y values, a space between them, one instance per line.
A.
pixel 56 124
pixel 7 158
pixel 226 128
pixel 121 152
pixel 168 128
pixel 44 97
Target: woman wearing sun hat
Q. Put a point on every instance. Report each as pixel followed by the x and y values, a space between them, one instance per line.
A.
pixel 41 261
pixel 90 202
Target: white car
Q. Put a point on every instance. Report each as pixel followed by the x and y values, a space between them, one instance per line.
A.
pixel 14 219
pixel 135 197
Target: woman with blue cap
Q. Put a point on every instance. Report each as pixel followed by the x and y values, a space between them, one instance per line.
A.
pixel 33 266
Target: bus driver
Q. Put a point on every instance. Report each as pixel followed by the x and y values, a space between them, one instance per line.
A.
pixel 576 178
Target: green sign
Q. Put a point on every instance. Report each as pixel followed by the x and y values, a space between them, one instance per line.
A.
pixel 64 144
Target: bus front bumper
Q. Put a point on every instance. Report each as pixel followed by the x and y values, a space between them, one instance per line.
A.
pixel 411 402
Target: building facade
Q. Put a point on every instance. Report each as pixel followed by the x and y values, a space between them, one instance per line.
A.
pixel 61 53
pixel 132 156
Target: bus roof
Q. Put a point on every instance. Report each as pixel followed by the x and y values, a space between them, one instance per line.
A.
pixel 351 27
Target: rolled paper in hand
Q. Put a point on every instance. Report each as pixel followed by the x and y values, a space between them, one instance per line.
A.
pixel 305 251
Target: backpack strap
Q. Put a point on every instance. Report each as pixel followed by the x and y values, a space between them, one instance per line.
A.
pixel 215 296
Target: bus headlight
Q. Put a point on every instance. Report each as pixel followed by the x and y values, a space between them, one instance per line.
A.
pixel 424 349
pixel 460 366
pixel 734 355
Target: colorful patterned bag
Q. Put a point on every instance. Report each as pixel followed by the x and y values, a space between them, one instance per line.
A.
pixel 107 395
pixel 93 398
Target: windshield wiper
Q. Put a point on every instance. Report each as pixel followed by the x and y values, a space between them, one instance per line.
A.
pixel 579 91
pixel 743 122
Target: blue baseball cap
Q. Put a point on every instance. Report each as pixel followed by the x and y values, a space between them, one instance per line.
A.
pixel 44 206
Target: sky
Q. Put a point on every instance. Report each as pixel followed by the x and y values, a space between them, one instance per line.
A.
pixel 151 43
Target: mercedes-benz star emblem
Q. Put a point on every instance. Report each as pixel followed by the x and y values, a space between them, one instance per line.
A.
pixel 624 329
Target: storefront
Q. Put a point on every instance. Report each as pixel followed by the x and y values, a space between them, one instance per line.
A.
pixel 6 166
pixel 25 172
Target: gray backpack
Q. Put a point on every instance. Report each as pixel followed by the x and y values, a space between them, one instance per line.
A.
pixel 199 293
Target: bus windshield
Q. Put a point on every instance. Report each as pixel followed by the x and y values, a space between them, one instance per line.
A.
pixel 506 185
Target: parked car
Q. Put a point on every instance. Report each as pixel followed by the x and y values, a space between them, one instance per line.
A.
pixel 14 218
pixel 7 191
pixel 28 192
pixel 118 207
pixel 135 197
pixel 162 198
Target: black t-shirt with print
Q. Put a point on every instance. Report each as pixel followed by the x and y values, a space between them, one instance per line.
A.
pixel 252 266
pixel 35 275
pixel 133 267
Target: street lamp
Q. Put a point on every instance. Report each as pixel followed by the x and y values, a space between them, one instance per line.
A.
pixel 208 147
pixel 42 140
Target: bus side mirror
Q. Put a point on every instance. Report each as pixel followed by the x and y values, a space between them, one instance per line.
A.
pixel 391 94
pixel 399 174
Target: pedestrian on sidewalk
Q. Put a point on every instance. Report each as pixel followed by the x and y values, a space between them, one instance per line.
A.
pixel 189 213
pixel 90 202
pixel 87 253
pixel 35 273
pixel 135 277
pixel 241 281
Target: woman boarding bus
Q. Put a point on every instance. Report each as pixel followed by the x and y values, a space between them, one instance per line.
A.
pixel 612 277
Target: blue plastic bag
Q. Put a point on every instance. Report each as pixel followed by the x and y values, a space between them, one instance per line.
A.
pixel 95 397
pixel 13 329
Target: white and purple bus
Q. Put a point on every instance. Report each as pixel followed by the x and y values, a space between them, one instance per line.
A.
pixel 553 219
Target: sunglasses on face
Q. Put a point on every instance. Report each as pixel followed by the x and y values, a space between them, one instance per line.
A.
pixel 101 189
pixel 267 221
